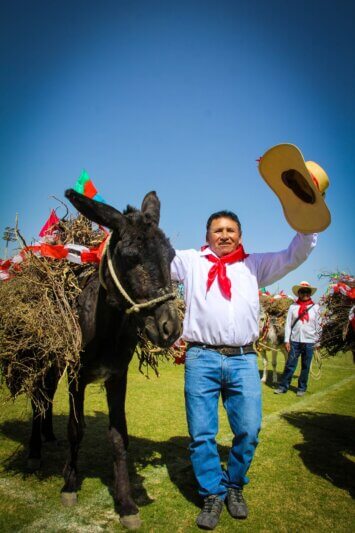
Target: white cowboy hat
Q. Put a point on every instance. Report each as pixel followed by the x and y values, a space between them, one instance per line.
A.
pixel 303 285
pixel 300 186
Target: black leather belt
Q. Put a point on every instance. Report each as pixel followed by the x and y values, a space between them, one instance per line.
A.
pixel 224 350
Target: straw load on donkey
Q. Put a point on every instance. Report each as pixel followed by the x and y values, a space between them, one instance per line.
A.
pixel 131 293
pixel 338 322
pixel 273 313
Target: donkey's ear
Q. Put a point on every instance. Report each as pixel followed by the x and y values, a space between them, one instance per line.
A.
pixel 151 207
pixel 98 212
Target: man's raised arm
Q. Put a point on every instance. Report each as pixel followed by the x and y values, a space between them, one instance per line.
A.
pixel 273 266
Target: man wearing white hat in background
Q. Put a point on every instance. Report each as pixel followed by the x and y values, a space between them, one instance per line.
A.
pixel 301 333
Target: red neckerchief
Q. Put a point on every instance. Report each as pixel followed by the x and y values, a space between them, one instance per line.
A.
pixel 302 311
pixel 219 269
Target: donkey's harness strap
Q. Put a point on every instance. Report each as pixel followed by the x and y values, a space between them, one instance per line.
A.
pixel 135 307
pixel 266 328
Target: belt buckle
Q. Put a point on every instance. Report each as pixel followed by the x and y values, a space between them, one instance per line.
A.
pixel 231 351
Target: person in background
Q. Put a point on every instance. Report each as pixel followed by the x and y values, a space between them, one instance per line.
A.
pixel 302 331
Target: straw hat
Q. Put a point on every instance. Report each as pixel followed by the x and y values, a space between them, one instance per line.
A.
pixel 303 285
pixel 300 186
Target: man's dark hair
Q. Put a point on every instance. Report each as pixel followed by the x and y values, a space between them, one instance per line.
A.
pixel 226 214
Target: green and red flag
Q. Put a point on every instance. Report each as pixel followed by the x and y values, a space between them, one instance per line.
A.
pixel 85 186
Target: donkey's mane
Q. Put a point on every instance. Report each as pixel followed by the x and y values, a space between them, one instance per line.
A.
pixel 130 209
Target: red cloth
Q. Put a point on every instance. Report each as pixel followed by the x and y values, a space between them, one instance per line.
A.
pixel 56 251
pixel 5 264
pixel 90 257
pixel 302 310
pixel 219 269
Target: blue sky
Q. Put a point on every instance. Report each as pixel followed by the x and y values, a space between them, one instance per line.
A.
pixel 182 98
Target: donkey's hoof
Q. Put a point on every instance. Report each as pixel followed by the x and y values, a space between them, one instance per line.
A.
pixel 131 521
pixel 68 498
pixel 33 464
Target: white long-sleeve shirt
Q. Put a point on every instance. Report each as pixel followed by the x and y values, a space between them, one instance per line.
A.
pixel 307 331
pixel 210 318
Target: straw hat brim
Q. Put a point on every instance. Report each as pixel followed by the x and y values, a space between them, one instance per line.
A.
pixel 296 288
pixel 302 216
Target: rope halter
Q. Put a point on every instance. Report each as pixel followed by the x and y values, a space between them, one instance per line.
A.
pixel 135 307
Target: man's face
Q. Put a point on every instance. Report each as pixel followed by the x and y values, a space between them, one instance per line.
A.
pixel 304 294
pixel 223 236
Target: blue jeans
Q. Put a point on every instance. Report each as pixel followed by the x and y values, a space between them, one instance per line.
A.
pixel 208 374
pixel 305 350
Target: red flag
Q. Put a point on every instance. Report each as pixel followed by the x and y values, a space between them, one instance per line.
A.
pixel 51 225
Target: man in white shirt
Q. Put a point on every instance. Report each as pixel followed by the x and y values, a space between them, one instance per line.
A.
pixel 301 333
pixel 221 323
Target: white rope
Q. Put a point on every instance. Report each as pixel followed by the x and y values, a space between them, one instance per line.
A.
pixel 135 307
pixel 317 361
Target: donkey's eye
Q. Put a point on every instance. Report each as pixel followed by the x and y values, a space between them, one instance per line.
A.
pixel 131 257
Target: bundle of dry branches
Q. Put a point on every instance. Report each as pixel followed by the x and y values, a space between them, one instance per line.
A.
pixel 39 326
pixel 276 307
pixel 79 230
pixel 338 333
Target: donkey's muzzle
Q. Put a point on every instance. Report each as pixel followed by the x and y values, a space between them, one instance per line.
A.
pixel 163 327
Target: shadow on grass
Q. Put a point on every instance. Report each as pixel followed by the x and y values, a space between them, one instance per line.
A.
pixel 329 440
pixel 95 458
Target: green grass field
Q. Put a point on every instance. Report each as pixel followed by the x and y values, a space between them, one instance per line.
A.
pixel 302 476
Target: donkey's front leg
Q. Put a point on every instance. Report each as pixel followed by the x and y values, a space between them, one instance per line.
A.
pixel 76 426
pixel 265 365
pixel 274 366
pixel 116 395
